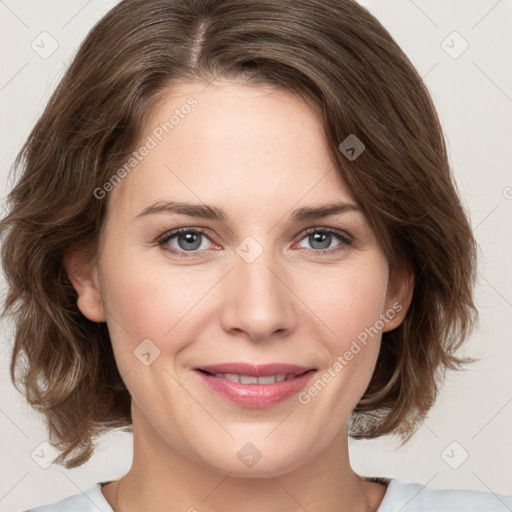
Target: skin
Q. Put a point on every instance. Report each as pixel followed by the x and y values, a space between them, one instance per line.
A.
pixel 258 153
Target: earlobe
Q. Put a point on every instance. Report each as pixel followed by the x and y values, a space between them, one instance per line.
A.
pixel 399 297
pixel 84 278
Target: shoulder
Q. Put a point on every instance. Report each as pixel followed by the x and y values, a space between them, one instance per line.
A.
pixel 91 500
pixel 414 497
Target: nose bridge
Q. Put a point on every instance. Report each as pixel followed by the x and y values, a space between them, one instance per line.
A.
pixel 254 268
pixel 260 301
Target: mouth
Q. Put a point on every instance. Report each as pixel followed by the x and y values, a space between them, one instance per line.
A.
pixel 255 386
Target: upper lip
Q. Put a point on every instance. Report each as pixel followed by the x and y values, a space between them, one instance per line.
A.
pixel 255 370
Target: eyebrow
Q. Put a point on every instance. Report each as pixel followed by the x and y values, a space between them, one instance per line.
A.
pixel 205 211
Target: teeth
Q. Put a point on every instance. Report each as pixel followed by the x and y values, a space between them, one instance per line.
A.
pixel 248 379
pixel 270 379
pixel 230 376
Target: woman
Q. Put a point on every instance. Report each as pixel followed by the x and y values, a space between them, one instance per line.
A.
pixel 237 236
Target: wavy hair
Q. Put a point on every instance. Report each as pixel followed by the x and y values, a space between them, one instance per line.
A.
pixel 338 57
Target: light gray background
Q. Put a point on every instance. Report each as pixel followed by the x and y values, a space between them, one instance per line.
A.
pixel 473 94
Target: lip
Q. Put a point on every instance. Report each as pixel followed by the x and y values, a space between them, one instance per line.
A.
pixel 254 369
pixel 255 396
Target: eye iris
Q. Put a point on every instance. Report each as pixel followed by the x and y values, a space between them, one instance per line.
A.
pixel 189 239
pixel 321 238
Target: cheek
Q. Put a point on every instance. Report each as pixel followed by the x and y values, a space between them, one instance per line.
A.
pixel 349 308
pixel 147 295
pixel 349 304
pixel 146 303
pixel 347 299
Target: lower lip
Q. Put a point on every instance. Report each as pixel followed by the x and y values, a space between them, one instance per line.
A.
pixel 256 396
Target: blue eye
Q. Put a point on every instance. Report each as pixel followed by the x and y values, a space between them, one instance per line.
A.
pixel 189 241
pixel 325 239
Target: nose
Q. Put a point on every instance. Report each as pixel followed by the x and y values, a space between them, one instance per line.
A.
pixel 259 304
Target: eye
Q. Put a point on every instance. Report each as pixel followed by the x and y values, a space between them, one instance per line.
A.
pixel 188 240
pixel 321 239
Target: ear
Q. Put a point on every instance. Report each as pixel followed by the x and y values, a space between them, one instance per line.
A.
pixel 84 278
pixel 398 297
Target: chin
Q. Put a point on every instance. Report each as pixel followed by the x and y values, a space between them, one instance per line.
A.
pixel 248 462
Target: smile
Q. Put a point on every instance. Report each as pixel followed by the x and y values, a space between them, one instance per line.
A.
pixel 256 392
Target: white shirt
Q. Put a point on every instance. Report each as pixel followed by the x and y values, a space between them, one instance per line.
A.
pixel 403 497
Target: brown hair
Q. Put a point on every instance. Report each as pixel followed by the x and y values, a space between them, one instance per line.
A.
pixel 333 52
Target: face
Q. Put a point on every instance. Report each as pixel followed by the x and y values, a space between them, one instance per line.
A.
pixel 256 285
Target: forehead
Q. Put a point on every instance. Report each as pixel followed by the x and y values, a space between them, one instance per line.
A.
pixel 245 148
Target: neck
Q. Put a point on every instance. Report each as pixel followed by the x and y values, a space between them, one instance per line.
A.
pixel 162 477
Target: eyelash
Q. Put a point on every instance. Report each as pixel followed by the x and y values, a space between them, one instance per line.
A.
pixel 340 235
